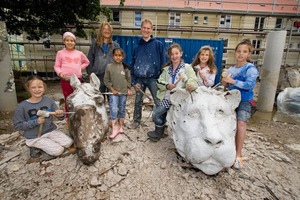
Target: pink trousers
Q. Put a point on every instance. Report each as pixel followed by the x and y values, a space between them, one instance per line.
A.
pixel 67 90
pixel 53 143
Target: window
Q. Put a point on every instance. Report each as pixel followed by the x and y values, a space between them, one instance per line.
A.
pixel 196 18
pixel 256 44
pixel 46 42
pixel 205 20
pixel 20 63
pixel 137 18
pixel 116 16
pixel 224 62
pixel 259 24
pixel 278 23
pixel 255 62
pixel 19 48
pixel 225 21
pixel 47 45
pixel 174 19
pixel 225 42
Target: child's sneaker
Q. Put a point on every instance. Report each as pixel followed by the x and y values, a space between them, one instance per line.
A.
pixel 35 152
pixel 67 125
pixel 72 149
pixel 238 163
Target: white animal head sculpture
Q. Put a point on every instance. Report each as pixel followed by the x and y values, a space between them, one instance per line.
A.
pixel 288 102
pixel 204 127
pixel 89 124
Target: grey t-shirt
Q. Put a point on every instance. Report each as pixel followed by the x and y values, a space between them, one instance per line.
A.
pixel 25 117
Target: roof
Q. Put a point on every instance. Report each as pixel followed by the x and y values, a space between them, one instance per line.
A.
pixel 247 6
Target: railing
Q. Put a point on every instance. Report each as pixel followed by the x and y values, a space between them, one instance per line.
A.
pixel 51 58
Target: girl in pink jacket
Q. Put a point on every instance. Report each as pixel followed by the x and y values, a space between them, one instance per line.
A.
pixel 69 61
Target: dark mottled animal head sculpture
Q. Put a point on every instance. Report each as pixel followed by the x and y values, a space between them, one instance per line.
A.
pixel 204 127
pixel 89 124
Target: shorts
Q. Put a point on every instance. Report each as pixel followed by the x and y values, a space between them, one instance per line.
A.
pixel 243 111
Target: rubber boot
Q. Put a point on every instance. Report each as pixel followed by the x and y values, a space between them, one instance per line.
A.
pixel 155 135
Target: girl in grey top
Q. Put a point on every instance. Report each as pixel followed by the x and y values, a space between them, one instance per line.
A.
pixel 118 80
pixel 51 140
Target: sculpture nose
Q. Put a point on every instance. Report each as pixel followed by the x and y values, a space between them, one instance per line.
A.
pixel 214 139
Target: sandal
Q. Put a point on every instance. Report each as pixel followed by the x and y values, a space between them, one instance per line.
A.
pixel 238 163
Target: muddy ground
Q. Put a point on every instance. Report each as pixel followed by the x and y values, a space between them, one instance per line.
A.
pixel 132 167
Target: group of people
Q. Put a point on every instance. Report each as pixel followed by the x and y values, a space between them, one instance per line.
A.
pixel 147 69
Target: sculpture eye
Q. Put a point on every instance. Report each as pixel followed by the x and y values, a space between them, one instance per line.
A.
pixel 219 113
pixel 71 107
pixel 80 153
pixel 99 100
pixel 96 147
pixel 193 114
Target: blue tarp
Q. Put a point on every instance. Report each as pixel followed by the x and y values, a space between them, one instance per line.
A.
pixel 190 48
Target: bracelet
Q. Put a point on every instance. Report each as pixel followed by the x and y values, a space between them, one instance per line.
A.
pixel 167 86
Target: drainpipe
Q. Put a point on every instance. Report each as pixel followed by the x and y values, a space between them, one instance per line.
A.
pixel 270 70
pixel 289 42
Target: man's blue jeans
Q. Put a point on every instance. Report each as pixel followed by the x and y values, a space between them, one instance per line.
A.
pixel 145 83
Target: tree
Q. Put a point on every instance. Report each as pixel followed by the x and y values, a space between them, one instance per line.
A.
pixel 39 18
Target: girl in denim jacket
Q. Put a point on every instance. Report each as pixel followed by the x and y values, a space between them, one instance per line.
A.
pixel 242 76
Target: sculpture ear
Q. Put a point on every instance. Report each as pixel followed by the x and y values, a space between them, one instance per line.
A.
pixel 233 97
pixel 94 81
pixel 74 81
pixel 179 96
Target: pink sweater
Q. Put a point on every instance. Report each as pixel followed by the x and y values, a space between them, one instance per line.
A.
pixel 69 62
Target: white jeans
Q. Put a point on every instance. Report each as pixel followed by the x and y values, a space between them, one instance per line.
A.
pixel 53 143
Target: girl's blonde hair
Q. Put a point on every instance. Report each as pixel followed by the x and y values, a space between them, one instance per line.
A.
pixel 211 60
pixel 245 42
pixel 100 37
pixel 31 79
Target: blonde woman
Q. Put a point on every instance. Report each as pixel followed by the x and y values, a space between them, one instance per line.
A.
pixel 100 53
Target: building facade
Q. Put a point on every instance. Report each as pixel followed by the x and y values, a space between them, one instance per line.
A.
pixel 227 20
